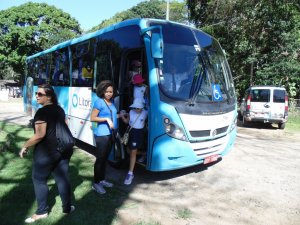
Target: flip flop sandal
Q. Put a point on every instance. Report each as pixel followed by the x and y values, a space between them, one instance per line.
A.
pixel 35 217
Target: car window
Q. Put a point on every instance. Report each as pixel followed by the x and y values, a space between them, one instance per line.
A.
pixel 260 95
pixel 279 96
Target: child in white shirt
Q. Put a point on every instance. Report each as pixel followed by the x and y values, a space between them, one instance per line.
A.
pixel 140 90
pixel 136 118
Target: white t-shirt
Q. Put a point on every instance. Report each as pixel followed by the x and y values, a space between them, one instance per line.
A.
pixel 139 91
pixel 140 122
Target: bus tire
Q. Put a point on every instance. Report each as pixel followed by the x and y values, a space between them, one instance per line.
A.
pixel 119 157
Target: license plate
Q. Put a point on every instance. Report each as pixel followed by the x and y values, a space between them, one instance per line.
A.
pixel 210 159
pixel 259 115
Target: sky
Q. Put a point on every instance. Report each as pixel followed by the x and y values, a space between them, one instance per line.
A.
pixel 88 13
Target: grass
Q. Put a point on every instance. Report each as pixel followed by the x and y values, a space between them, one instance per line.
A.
pixel 184 213
pixel 17 200
pixel 293 123
pixel 148 223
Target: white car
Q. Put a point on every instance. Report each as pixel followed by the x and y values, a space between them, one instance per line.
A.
pixel 267 104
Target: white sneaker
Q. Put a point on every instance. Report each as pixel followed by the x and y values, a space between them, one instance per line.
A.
pixel 106 184
pixel 128 179
pixel 98 188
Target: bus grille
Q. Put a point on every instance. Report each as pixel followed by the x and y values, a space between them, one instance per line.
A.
pixel 210 147
pixel 207 133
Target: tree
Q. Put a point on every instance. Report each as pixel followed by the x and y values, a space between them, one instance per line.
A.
pixel 261 39
pixel 30 28
pixel 148 9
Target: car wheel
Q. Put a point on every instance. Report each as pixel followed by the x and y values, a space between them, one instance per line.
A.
pixel 240 117
pixel 245 123
pixel 281 126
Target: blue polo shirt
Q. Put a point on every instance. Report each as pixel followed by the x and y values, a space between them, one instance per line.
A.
pixel 104 112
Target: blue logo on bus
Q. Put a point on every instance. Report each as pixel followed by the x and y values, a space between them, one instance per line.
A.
pixel 217 94
pixel 75 100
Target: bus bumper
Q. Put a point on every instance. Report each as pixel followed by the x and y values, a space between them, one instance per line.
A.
pixel 171 154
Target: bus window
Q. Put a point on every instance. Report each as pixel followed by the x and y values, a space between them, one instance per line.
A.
pixel 60 65
pixel 43 69
pixel 108 56
pixel 82 64
pixel 32 69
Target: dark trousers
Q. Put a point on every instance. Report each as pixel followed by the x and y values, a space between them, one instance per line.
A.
pixel 43 167
pixel 103 147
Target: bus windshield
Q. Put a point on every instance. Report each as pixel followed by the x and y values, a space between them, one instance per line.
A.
pixel 194 69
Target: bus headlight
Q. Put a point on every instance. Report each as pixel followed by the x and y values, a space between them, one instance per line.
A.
pixel 173 130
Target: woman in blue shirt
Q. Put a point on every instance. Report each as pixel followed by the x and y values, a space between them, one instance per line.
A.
pixel 104 113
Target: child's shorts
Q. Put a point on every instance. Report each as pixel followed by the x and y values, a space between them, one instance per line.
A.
pixel 136 138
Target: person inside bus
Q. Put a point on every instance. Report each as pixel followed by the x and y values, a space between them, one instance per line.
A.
pixel 134 69
pixel 137 119
pixel 87 74
pixel 46 159
pixel 104 113
pixel 169 78
pixel 140 90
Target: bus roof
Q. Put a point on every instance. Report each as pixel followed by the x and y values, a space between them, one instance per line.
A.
pixel 142 22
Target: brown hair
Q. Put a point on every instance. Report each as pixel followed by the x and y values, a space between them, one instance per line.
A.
pixel 102 86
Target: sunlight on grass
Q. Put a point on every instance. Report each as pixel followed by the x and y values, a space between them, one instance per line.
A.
pixel 293 123
pixel 17 194
pixel 148 223
pixel 184 213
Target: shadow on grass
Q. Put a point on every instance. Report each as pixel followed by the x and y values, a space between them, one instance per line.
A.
pixel 17 194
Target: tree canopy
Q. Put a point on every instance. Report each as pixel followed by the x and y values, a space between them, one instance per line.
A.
pixel 149 9
pixel 261 38
pixel 30 28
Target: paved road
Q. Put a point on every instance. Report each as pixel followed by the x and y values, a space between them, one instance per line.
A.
pixel 12 111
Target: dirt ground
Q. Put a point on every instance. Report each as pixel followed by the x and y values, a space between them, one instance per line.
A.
pixel 258 182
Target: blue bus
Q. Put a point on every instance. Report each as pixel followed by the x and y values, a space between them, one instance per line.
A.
pixel 192 110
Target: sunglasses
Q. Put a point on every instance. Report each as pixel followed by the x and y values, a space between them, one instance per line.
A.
pixel 39 94
pixel 138 108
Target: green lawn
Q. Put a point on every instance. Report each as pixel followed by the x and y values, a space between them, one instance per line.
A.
pixel 16 189
pixel 293 123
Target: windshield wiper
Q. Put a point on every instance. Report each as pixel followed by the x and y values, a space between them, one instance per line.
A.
pixel 197 82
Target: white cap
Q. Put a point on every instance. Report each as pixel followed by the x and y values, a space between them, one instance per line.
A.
pixel 138 103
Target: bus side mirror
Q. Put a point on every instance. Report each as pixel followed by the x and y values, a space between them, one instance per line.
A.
pixel 156 42
pixel 156 45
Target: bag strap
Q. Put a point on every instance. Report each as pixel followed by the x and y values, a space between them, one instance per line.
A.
pixel 111 117
pixel 130 127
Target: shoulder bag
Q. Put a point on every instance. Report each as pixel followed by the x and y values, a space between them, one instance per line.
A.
pixel 64 137
pixel 125 138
